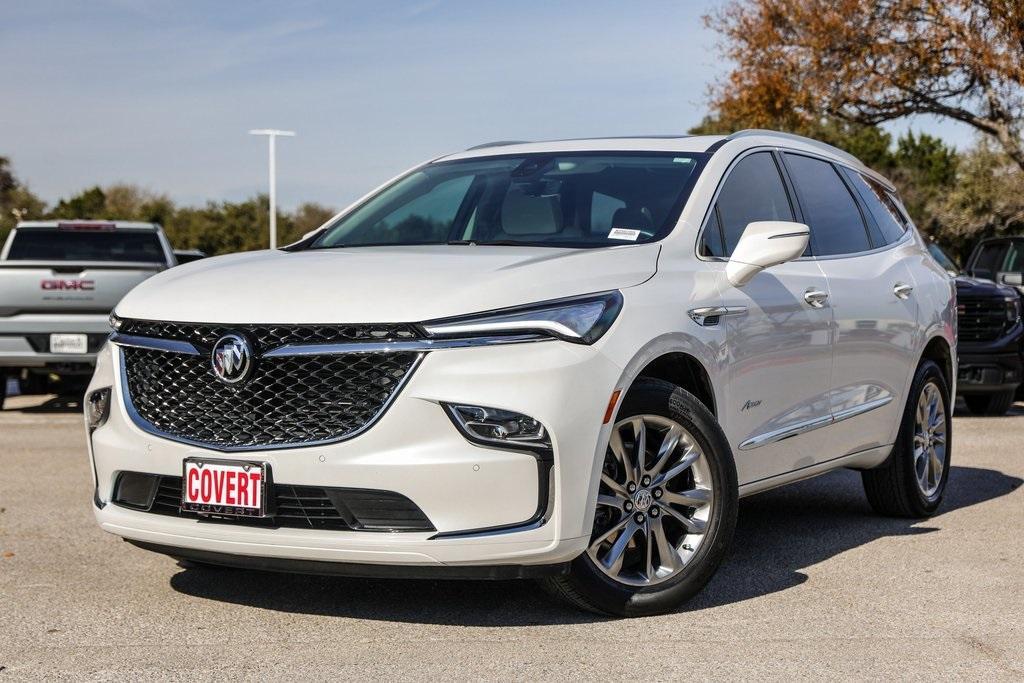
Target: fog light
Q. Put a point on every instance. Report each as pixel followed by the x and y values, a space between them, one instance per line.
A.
pixel 499 427
pixel 97 408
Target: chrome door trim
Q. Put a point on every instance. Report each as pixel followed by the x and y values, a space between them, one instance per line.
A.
pixel 709 315
pixel 810 425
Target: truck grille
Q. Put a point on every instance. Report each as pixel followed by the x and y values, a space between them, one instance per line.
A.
pixel 287 401
pixel 980 319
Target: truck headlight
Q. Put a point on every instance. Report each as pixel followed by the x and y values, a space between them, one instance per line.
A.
pixel 1013 309
pixel 499 427
pixel 581 320
pixel 97 408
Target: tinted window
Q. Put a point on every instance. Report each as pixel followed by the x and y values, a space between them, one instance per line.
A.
pixel 887 224
pixel 753 191
pixel 988 261
pixel 84 245
pixel 602 212
pixel 835 221
pixel 711 244
pixel 947 263
pixel 1015 258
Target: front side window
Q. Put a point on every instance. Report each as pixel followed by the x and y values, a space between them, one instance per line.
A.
pixel 990 257
pixel 830 210
pixel 563 200
pixel 1014 258
pixel 753 191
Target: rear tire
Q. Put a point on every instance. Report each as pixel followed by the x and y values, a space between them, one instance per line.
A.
pixel 990 404
pixel 913 480
pixel 667 505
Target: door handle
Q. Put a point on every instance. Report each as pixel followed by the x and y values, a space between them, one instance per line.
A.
pixel 902 291
pixel 815 298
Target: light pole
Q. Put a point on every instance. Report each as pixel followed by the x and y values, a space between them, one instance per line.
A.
pixel 271 137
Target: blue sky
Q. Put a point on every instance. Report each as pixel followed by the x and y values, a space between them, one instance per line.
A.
pixel 162 94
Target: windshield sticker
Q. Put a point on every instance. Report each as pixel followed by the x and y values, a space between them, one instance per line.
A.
pixel 623 234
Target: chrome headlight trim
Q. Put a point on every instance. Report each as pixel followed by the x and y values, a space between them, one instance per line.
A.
pixel 580 320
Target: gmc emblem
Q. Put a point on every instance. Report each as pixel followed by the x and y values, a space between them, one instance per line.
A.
pixel 72 285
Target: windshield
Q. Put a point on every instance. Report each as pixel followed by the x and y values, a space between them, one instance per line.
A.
pixel 82 245
pixel 570 200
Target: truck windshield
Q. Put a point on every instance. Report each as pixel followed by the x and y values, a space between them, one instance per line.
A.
pixel 562 200
pixel 83 245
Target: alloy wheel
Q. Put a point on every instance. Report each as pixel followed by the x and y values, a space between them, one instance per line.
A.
pixel 929 439
pixel 654 504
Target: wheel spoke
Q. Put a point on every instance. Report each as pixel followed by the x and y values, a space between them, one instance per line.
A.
pixel 666 553
pixel 668 446
pixel 690 456
pixel 640 447
pixel 618 526
pixel 693 498
pixel 615 486
pixel 613 560
pixel 619 451
pixel 936 467
pixel 610 501
pixel 694 526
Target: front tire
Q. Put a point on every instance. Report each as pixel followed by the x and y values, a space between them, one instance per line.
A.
pixel 666 507
pixel 913 480
pixel 990 404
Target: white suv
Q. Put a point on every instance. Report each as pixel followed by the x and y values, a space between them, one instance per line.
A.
pixel 563 360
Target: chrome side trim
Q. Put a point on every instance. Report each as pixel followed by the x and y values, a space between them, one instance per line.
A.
pixel 148 427
pixel 154 344
pixel 709 315
pixel 861 409
pixel 810 425
pixel 417 345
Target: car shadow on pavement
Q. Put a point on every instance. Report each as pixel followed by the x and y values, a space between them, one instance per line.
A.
pixel 780 533
pixel 56 404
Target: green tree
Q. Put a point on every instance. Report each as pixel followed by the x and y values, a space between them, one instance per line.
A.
pixel 16 201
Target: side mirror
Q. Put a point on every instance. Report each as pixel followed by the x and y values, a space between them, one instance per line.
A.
pixel 1015 279
pixel 765 244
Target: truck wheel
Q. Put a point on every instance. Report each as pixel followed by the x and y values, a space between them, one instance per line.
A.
pixel 990 404
pixel 912 481
pixel 666 508
pixel 3 390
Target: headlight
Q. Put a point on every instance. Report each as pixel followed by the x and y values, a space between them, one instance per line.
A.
pixel 1013 309
pixel 97 408
pixel 581 320
pixel 499 427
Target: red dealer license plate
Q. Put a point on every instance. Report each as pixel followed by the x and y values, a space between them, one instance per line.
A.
pixel 224 487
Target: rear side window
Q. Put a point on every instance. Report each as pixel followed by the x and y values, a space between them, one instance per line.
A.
pixel 887 224
pixel 1015 258
pixel 37 244
pixel 753 191
pixel 836 223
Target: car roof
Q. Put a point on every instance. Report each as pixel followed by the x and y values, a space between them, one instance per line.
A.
pixel 666 143
pixel 118 225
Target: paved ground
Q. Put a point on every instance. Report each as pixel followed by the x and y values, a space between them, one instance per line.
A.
pixel 816 587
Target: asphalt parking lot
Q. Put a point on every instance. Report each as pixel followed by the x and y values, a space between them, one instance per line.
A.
pixel 816 587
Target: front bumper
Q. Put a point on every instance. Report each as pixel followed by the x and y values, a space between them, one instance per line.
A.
pixel 483 501
pixel 980 374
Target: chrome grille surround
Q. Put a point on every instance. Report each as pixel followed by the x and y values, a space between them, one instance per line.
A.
pixel 291 400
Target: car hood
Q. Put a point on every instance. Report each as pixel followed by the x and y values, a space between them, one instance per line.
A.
pixel 381 284
pixel 977 287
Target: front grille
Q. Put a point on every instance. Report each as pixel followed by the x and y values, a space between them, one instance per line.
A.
pixel 267 337
pixel 288 400
pixel 296 507
pixel 980 319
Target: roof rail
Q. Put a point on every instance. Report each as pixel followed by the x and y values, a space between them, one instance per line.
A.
pixel 798 138
pixel 497 143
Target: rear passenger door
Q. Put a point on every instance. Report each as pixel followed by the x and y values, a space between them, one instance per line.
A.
pixel 778 344
pixel 857 235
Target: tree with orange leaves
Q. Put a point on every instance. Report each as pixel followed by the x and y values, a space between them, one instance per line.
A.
pixel 870 61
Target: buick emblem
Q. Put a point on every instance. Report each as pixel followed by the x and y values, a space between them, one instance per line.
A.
pixel 232 359
pixel 643 500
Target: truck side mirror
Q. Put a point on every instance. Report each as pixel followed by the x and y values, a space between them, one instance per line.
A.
pixel 1015 279
pixel 765 244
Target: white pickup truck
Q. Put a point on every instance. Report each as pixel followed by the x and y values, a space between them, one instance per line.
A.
pixel 59 280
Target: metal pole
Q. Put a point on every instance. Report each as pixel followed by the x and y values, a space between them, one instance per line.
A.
pixel 273 193
pixel 272 149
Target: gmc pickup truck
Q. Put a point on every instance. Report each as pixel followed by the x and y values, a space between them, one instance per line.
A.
pixel 59 280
